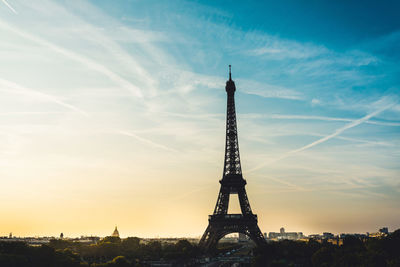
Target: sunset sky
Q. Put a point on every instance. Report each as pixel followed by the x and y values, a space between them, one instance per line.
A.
pixel 113 113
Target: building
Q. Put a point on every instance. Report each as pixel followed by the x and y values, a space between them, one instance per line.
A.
pixel 282 235
pixel 360 236
pixel 115 233
pixel 315 236
pixel 327 235
pixel 384 230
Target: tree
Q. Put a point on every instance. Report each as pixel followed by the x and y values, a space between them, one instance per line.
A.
pixel 323 257
pixel 131 243
pixel 111 239
pixel 120 261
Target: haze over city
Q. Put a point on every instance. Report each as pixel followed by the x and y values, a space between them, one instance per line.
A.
pixel 113 113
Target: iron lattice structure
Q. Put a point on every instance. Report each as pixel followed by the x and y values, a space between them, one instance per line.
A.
pixel 221 223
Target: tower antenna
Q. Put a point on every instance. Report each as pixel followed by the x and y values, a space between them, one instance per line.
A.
pixel 230 75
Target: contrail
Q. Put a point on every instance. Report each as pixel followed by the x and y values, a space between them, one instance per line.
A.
pixel 147 141
pixel 120 55
pixel 325 138
pixel 14 88
pixel 9 6
pixel 320 118
pixel 77 57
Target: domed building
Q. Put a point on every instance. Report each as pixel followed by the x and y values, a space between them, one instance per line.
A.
pixel 115 233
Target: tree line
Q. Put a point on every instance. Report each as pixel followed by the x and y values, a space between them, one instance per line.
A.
pixel 110 251
pixel 134 252
pixel 370 252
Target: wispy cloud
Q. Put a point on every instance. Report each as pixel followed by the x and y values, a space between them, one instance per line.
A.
pixel 190 193
pixel 325 118
pixel 106 40
pixel 14 88
pixel 318 118
pixel 77 57
pixel 28 112
pixel 9 6
pixel 364 142
pixel 278 48
pixel 330 136
pixel 358 191
pixel 267 90
pixel 146 141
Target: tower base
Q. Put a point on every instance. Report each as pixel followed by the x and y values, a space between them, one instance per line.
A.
pixel 221 225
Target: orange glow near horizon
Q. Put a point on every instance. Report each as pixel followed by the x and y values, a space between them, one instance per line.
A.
pixel 113 113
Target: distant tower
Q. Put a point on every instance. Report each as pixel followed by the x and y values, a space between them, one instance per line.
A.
pixel 282 230
pixel 10 236
pixel 115 233
pixel 61 236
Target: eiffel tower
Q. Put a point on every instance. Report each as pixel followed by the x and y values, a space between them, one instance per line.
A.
pixel 221 223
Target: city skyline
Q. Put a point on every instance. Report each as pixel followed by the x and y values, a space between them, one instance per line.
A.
pixel 384 231
pixel 114 114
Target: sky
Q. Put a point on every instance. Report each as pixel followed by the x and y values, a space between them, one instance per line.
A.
pixel 113 113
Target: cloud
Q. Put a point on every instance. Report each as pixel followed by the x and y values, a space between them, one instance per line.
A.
pixel 315 101
pixel 319 118
pixel 108 40
pixel 180 81
pixel 267 90
pixel 77 57
pixel 334 134
pixel 126 34
pixel 277 48
pixel 13 88
pixel 9 6
pixel 146 141
pixel 365 142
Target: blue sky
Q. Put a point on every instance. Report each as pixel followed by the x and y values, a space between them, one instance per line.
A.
pixel 109 106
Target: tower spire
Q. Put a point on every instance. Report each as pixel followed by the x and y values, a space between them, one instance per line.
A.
pixel 230 74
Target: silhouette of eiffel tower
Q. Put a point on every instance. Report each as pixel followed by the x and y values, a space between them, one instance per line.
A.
pixel 221 223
